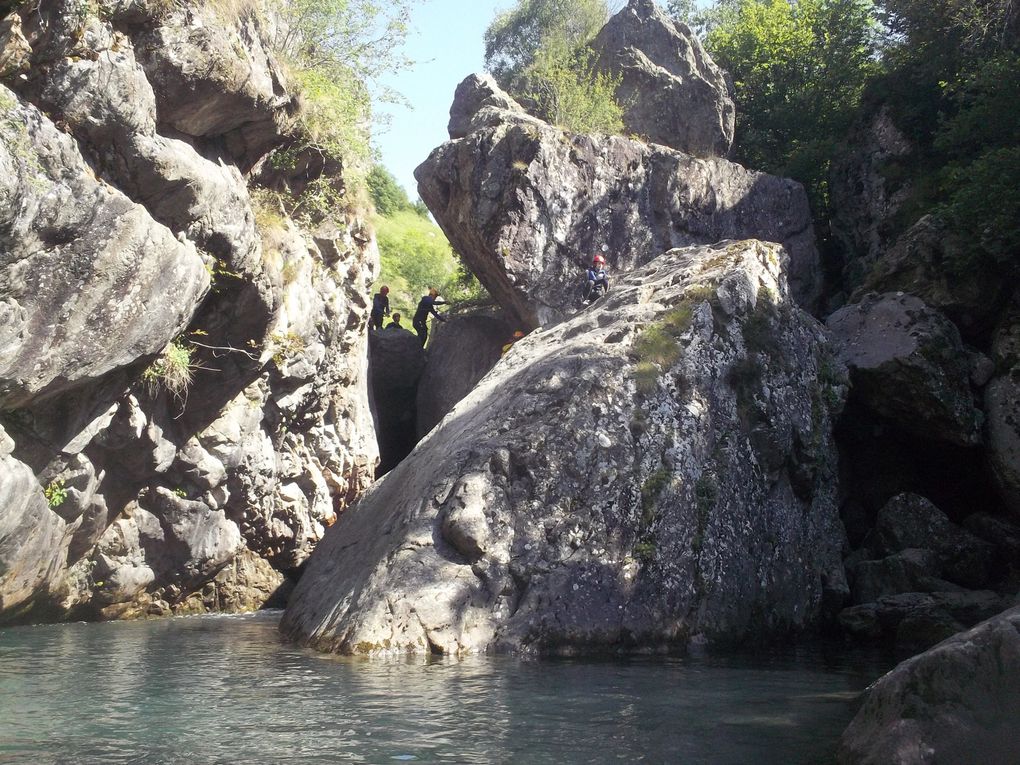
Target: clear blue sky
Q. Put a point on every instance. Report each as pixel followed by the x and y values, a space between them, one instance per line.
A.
pixel 446 40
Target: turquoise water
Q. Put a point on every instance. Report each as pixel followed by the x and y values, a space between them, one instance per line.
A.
pixel 226 690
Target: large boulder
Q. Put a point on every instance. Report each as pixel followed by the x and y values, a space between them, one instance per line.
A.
pixel 909 521
pixel 461 353
pixel 656 470
pixel 919 263
pixel 671 90
pixel 908 364
pixel 957 703
pixel 89 281
pixel 527 205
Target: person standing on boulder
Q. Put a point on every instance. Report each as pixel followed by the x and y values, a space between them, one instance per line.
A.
pixel 380 308
pixel 596 277
pixel 427 305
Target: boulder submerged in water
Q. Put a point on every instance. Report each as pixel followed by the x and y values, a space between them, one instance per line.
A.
pixel 956 703
pixel 657 469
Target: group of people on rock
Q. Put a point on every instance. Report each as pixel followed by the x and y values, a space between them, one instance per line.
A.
pixel 595 285
pixel 420 322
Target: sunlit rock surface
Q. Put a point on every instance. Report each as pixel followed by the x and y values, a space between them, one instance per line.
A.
pixel 132 138
pixel 671 91
pixel 527 205
pixel 656 470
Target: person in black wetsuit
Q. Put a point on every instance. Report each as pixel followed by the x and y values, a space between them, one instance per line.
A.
pixel 427 305
pixel 395 324
pixel 595 277
pixel 380 308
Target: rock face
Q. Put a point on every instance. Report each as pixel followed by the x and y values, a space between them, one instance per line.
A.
pixel 908 364
pixel 957 703
pixel 655 470
pixel 135 286
pixel 1002 407
pixel 130 251
pixel 461 353
pixel 527 205
pixel 673 93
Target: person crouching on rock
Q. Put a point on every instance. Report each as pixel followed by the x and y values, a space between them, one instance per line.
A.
pixel 395 324
pixel 380 308
pixel 427 305
pixel 517 336
pixel 597 281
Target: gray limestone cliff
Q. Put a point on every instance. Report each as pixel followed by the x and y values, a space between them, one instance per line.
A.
pixel 657 469
pixel 137 243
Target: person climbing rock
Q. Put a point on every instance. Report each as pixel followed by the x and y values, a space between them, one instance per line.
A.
pixel 427 305
pixel 517 336
pixel 380 308
pixel 596 281
pixel 395 324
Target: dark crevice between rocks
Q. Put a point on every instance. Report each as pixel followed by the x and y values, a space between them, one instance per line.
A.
pixel 881 460
pixel 411 390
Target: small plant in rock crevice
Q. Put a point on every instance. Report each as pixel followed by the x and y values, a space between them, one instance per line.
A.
pixel 56 493
pixel 172 371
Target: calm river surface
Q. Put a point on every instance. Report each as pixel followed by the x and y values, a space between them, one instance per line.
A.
pixel 226 690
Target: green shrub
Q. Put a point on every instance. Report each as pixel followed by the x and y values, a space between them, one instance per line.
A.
pixel 172 371
pixel 55 493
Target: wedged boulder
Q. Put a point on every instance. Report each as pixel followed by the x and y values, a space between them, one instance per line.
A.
pixel 1002 408
pixel 461 353
pixel 134 285
pixel 527 205
pixel 656 470
pixel 395 364
pixel 908 364
pixel 672 92
pixel 957 703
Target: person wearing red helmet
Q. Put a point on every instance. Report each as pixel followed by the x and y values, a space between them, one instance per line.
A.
pixel 597 281
pixel 380 308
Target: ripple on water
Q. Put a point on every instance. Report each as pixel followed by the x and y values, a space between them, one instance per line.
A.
pixel 212 690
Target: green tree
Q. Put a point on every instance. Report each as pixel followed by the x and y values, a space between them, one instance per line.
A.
pixel 539 52
pixel 388 195
pixel 799 70
pixel 566 89
pixel 415 255
pixel 513 39
pixel 337 50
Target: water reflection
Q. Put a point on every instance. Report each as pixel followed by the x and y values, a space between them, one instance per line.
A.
pixel 225 690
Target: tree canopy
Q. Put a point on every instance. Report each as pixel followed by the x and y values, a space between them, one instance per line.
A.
pixel 538 51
